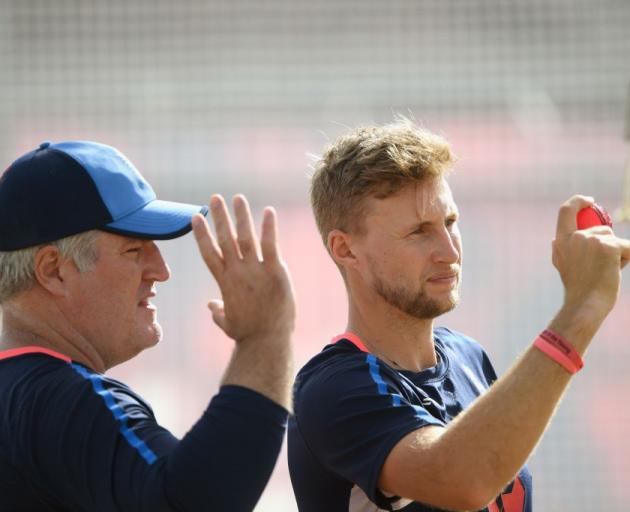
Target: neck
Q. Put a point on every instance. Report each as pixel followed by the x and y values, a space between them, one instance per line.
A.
pixel 402 341
pixel 30 322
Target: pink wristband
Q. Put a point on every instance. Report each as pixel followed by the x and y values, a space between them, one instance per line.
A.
pixel 560 350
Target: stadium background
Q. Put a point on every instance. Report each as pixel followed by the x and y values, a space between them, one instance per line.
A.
pixel 233 96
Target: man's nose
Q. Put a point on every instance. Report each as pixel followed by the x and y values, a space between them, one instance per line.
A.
pixel 448 248
pixel 156 268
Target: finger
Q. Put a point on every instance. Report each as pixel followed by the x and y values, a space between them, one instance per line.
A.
pixel 218 313
pixel 621 246
pixel 247 241
pixel 625 251
pixel 208 248
pixel 599 230
pixel 269 236
pixel 225 231
pixel 567 215
pixel 554 253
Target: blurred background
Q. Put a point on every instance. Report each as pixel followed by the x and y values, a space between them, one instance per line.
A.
pixel 218 96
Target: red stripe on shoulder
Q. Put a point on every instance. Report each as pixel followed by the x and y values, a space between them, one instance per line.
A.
pixel 350 336
pixel 14 352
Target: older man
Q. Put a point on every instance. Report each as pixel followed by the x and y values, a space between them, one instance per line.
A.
pixel 389 415
pixel 79 268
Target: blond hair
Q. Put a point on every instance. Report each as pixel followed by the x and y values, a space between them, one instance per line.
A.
pixel 374 161
pixel 17 268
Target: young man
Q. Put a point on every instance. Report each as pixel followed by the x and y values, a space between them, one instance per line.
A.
pixel 397 414
pixel 79 269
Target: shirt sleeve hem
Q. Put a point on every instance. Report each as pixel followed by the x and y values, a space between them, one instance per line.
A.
pixel 386 449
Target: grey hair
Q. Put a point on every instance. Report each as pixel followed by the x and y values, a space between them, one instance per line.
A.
pixel 17 268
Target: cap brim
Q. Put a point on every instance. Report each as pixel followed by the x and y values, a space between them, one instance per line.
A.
pixel 157 220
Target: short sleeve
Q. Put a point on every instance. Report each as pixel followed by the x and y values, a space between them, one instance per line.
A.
pixel 352 413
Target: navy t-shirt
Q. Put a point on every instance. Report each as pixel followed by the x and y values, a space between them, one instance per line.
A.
pixel 351 409
pixel 74 440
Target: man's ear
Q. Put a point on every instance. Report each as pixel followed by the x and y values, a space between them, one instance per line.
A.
pixel 49 269
pixel 340 245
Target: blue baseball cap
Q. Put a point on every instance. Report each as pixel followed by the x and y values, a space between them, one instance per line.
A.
pixel 67 188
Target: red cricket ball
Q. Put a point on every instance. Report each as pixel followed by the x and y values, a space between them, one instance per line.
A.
pixel 593 215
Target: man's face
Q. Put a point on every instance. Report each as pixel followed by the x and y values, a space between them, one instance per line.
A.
pixel 111 302
pixel 412 250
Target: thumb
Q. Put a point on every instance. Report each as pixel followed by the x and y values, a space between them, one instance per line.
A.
pixel 218 312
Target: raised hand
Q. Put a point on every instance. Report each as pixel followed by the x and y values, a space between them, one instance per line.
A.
pixel 257 295
pixel 257 309
pixel 589 261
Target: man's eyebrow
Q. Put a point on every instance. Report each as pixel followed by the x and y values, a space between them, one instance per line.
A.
pixel 131 241
pixel 135 239
pixel 450 215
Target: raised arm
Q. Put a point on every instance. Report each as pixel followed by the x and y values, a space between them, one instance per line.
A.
pixel 465 465
pixel 257 309
pixel 226 460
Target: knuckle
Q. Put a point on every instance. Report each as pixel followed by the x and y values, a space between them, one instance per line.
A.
pixel 601 231
pixel 596 242
pixel 579 198
pixel 602 245
pixel 610 247
pixel 245 239
pixel 225 238
pixel 580 237
pixel 591 238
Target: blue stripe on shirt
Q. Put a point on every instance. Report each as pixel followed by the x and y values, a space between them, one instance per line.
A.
pixel 118 413
pixel 376 376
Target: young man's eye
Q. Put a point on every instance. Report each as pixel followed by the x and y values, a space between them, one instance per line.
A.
pixel 134 249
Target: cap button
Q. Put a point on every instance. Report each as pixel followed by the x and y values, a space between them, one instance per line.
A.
pixel 45 144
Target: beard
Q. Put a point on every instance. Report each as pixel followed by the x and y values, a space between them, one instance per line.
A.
pixel 416 304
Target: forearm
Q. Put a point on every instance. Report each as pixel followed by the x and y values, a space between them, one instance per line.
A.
pixel 226 459
pixel 264 365
pixel 491 441
pixel 223 463
pixel 469 462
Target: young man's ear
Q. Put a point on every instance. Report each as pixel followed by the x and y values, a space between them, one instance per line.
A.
pixel 49 269
pixel 340 246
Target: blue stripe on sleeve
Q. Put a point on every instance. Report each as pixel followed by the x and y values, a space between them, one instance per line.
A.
pixel 118 413
pixel 375 373
pixel 376 376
